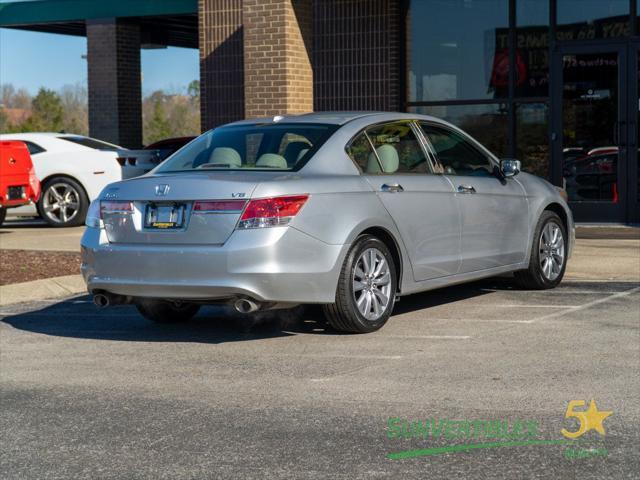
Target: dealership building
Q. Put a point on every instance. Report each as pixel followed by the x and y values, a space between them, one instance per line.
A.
pixel 553 83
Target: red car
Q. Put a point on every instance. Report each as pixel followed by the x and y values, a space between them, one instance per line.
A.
pixel 18 182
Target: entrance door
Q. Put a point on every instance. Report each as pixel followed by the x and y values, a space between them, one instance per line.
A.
pixel 591 130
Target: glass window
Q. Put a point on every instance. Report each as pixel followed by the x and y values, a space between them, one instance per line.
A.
pixel 456 154
pixel 360 151
pixel 588 19
pixel 590 130
pixel 91 143
pixel 486 123
pixel 262 147
pixel 33 148
pixel 532 48
pixel 293 146
pixel 459 49
pixel 532 145
pixel 397 150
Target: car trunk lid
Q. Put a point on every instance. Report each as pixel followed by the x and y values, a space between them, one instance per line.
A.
pixel 190 208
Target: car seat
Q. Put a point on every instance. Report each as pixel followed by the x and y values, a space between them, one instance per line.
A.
pixel 389 159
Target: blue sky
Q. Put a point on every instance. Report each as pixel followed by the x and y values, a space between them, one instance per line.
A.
pixel 32 60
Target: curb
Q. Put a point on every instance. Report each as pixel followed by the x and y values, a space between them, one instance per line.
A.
pixel 47 288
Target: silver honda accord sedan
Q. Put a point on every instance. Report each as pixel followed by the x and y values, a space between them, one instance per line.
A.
pixel 349 210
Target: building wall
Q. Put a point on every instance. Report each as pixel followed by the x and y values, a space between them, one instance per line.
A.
pixel 357 54
pixel 221 62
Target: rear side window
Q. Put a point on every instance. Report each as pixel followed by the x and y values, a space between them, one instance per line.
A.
pixel 91 143
pixel 33 148
pixel 360 151
pixel 278 146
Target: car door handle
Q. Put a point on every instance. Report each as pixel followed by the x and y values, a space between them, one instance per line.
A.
pixel 466 189
pixel 392 187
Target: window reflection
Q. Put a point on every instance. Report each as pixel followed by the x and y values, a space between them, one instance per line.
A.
pixel 486 123
pixel 589 19
pixel 591 132
pixel 459 49
pixel 532 147
pixel 532 48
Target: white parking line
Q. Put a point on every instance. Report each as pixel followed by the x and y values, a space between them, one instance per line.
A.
pixel 588 305
pixel 431 337
pixel 325 355
pixel 507 305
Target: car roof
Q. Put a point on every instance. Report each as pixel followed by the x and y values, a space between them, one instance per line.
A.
pixel 334 118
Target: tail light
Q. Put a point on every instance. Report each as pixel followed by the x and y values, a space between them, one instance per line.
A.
pixel 98 208
pixel 271 212
pixel 218 206
pixel 124 160
pixel 115 206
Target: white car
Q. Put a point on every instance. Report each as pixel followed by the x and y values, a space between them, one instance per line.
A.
pixel 72 169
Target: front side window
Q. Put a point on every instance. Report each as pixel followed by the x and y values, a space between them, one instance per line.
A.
pixel 397 150
pixel 456 154
pixel 254 147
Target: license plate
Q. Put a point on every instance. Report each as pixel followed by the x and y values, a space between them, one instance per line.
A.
pixel 164 216
pixel 15 193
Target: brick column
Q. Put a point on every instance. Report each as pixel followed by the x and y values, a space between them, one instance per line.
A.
pixel 221 62
pixel 277 57
pixel 115 103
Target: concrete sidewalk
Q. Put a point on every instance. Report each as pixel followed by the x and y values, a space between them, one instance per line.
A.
pixel 35 236
pixel 47 288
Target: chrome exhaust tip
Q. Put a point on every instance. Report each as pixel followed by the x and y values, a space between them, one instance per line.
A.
pixel 101 300
pixel 244 305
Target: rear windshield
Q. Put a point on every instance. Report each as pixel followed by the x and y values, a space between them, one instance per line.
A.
pixel 91 143
pixel 255 147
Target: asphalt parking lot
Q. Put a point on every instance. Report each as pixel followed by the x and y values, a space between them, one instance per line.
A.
pixel 104 394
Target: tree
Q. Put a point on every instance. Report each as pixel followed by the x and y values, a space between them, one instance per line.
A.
pixel 158 126
pixel 47 113
pixel 74 104
pixel 193 90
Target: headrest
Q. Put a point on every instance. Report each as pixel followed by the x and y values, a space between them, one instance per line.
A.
pixel 226 156
pixel 271 160
pixel 389 159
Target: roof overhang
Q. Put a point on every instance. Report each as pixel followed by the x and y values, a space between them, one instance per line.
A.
pixel 169 22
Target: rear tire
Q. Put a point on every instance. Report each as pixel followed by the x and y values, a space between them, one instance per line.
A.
pixel 162 311
pixel 63 202
pixel 548 255
pixel 3 215
pixel 366 289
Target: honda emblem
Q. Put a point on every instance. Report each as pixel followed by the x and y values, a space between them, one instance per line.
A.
pixel 162 190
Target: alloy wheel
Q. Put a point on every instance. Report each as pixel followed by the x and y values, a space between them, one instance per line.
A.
pixel 551 251
pixel 61 202
pixel 371 284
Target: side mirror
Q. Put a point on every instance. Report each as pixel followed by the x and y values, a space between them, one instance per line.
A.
pixel 510 167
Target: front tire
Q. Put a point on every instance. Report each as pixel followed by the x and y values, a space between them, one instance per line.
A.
pixel 63 202
pixel 366 289
pixel 3 215
pixel 162 311
pixel 548 255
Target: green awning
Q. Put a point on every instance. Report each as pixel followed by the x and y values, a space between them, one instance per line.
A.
pixel 48 11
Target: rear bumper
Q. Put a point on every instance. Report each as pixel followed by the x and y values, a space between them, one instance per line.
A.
pixel 281 265
pixel 30 189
